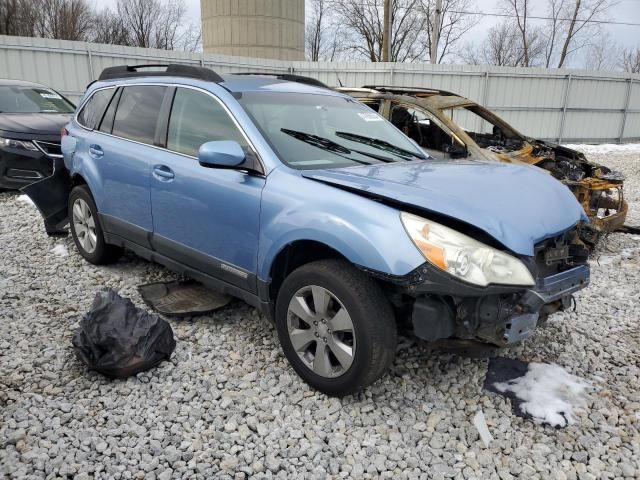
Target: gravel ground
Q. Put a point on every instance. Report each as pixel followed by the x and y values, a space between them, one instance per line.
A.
pixel 227 405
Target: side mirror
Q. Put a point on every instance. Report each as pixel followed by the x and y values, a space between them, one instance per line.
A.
pixel 455 150
pixel 221 154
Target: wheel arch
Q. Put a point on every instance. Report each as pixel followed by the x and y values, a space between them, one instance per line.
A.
pixel 294 255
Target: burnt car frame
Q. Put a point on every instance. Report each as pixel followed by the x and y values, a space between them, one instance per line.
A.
pixel 436 120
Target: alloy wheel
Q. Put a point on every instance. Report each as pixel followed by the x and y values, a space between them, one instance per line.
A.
pixel 84 225
pixel 321 331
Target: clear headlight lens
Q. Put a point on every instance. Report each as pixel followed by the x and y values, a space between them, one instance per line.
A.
pixel 20 144
pixel 464 257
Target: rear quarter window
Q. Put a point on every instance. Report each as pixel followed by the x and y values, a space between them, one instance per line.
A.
pixel 91 113
pixel 138 111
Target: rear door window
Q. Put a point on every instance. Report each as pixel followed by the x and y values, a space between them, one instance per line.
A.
pixel 93 109
pixel 138 112
pixel 197 118
pixel 107 120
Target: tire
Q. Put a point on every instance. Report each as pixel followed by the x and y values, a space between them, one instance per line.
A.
pixel 86 228
pixel 348 294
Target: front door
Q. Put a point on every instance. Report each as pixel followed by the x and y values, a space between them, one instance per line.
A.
pixel 206 218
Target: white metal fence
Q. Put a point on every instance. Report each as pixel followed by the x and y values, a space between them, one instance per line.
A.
pixel 561 105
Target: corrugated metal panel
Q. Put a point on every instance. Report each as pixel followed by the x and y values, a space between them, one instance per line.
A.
pixel 589 93
pixel 531 99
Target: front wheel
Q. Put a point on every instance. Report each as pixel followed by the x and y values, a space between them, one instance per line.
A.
pixel 336 327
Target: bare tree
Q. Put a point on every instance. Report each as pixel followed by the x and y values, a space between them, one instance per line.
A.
pixel 314 29
pixel 630 60
pixel 454 23
pixel 582 13
pixel 18 17
pixel 603 53
pixel 191 39
pixel 364 24
pixel 108 27
pixel 551 33
pixel 158 24
pixel 64 19
pixel 501 47
pixel 139 17
pixel 520 11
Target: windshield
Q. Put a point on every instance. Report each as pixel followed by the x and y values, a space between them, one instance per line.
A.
pixel 16 99
pixel 322 131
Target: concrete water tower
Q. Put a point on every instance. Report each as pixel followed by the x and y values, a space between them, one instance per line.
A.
pixel 254 28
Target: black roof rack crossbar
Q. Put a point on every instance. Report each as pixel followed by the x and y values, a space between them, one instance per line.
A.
pixel 174 70
pixel 289 77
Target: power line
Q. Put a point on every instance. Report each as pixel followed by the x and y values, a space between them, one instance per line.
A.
pixel 508 15
pixel 535 17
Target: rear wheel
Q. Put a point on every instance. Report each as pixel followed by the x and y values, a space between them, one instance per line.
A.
pixel 336 327
pixel 86 228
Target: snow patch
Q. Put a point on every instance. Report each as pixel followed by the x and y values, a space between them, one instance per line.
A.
pixel 25 199
pixel 60 250
pixel 607 148
pixel 549 394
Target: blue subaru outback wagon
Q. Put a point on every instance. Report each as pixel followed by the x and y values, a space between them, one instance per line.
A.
pixel 310 206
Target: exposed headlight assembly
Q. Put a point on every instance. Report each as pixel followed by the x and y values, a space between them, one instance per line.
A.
pixel 464 257
pixel 19 144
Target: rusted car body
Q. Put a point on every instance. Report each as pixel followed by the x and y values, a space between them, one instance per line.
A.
pixel 447 125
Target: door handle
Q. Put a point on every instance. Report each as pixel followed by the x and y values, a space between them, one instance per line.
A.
pixel 163 172
pixel 96 151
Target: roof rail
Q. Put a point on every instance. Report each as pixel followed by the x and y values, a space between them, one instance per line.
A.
pixel 390 88
pixel 289 77
pixel 174 70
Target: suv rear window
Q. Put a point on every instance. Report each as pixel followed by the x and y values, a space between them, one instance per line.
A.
pixel 138 112
pixel 93 108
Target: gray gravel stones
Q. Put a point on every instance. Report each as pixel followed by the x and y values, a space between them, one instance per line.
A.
pixel 228 406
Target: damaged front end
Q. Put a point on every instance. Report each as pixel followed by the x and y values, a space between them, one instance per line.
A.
pixel 440 308
pixel 598 188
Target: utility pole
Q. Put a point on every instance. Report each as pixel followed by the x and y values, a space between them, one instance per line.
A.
pixel 435 37
pixel 386 32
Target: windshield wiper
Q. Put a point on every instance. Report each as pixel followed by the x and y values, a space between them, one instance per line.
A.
pixel 317 141
pixel 330 145
pixel 380 144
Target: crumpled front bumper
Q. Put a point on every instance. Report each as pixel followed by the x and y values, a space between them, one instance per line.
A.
pixel 555 288
pixel 498 315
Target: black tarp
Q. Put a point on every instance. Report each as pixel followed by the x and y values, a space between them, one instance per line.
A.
pixel 119 340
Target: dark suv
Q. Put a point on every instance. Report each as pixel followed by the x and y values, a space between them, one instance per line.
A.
pixel 31 117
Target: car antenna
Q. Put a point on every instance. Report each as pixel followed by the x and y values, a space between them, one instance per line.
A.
pixel 339 82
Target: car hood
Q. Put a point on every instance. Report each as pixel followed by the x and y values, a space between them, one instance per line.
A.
pixel 518 205
pixel 33 123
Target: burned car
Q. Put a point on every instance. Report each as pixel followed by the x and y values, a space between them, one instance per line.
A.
pixel 447 125
pixel 31 116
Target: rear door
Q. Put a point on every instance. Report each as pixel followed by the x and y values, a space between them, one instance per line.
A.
pixel 206 218
pixel 123 152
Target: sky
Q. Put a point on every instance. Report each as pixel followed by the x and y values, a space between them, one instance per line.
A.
pixel 623 11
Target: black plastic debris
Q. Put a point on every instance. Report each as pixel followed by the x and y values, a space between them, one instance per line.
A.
pixel 182 298
pixel 503 370
pixel 629 229
pixel 119 340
